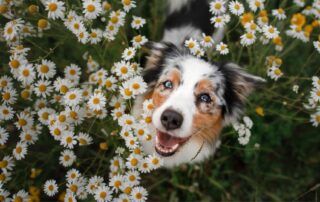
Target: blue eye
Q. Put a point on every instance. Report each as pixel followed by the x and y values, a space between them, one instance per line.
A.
pixel 167 84
pixel 204 98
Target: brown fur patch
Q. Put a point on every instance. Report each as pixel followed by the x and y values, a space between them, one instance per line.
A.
pixel 160 94
pixel 205 86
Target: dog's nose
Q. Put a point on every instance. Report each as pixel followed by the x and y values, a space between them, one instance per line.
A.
pixel 171 119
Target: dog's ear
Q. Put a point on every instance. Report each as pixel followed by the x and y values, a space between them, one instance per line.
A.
pixel 157 53
pixel 239 84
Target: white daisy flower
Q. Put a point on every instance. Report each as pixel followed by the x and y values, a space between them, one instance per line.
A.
pixel 128 4
pixel 9 96
pixel 299 3
pixel 128 53
pixel 5 82
pixel 28 136
pixel 93 184
pixel 116 182
pixel 218 21
pixel 316 82
pixel 155 161
pixel 62 85
pixel 20 151
pixel 252 27
pixel 274 73
pixel 72 71
pixel 55 9
pixel 26 74
pixel 127 121
pixel 67 158
pixel 92 8
pixel 84 139
pixel 315 119
pixel 12 29
pixel 247 39
pixel 236 8
pixel 83 36
pixel 279 14
pixel 133 161
pixel 103 194
pixel 270 32
pixel 123 69
pixel 117 113
pixel 6 112
pixel 315 94
pixel 97 101
pixel 222 48
pixel 95 36
pixel 22 195
pixel 25 121
pixel 122 198
pixel 68 139
pixel 206 41
pixel 139 194
pixel 137 22
pixel 16 61
pixel 117 18
pixel 254 5
pixel 43 88
pixel 316 44
pixel 3 136
pixel 110 83
pixel 192 45
pixel 6 164
pixel 138 41
pixel 4 194
pixel 46 70
pixel 73 97
pixel 137 85
pixel 50 187
pixel 70 197
pixel 133 177
pixel 217 7
pixel 131 142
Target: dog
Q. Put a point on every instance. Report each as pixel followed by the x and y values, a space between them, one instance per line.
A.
pixel 193 98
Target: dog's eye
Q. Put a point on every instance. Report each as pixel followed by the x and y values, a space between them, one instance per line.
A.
pixel 167 84
pixel 204 98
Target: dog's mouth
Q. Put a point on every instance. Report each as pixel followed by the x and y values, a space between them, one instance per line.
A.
pixel 167 145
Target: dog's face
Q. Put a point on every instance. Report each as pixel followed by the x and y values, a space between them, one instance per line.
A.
pixel 193 100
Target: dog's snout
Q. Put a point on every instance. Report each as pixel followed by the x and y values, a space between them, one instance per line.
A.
pixel 171 119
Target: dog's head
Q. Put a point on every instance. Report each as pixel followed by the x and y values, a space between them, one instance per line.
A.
pixel 193 100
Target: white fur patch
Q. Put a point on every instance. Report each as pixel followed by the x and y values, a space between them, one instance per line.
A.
pixel 176 5
pixel 178 35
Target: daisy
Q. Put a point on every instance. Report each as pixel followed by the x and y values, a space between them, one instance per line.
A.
pixel 148 106
pixel 25 121
pixel 6 112
pixel 97 101
pixel 122 198
pixel 315 94
pixel 43 24
pixel 43 88
pixel 92 8
pixel 315 119
pixel 128 4
pixel 68 139
pixel 95 36
pixel 222 48
pixel 299 3
pixel 138 41
pixel 9 96
pixel 26 74
pixel 217 7
pixel 133 161
pixel 12 29
pixel 5 82
pixel 117 19
pixel 55 9
pixel 126 188
pixel 50 187
pixel 20 150
pixel 270 32
pixel 117 102
pixel 56 130
pixel 145 166
pixel 133 177
pixel 252 27
pixel 254 5
pixel 76 26
pixel 192 45
pixel 110 83
pixel 73 97
pixel 279 14
pixel 218 21
pixel 3 136
pixel 236 8
pixel 206 41
pixel 83 36
pixel 137 85
pixel 103 194
pixel 100 114
pixel 116 182
pixel 123 69
pixel 127 121
pixel 155 161
pixel 94 183
pixel 316 82
pixel 22 195
pixel 67 158
pixel 137 22
pixel 16 61
pixel 139 194
pixel 4 194
pixel 274 72
pixel 75 114
pixel 46 70
pixel 117 113
pixel 128 53
pixel 62 85
pixel 131 142
pixel 28 136
pixel 316 44
pixel 248 39
pixel 6 164
pixel 84 139
pixel 70 197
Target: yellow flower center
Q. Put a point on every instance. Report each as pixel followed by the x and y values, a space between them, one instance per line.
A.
pixel 134 162
pixel 136 86
pixel 117 184
pixel 62 118
pixel 118 114
pixel 52 7
pixel 33 9
pixel 3 164
pixel 3 8
pixel 44 69
pixel 127 190
pixel 124 70
pixel 18 150
pixel 108 83
pixel 280 11
pixel 22 122
pixel 155 161
pixel 148 119
pixel 217 6
pixel 91 8
pixel 191 45
pixel 25 72
pixel 17 199
pixel 9 30
pixel 140 132
pixel 73 188
pixel 73 114
pixel 6 96
pixel 96 101
pixel 93 35
pixel 137 151
pixel 28 137
pixel 132 178
pixel 43 23
pixel 249 35
pixel 64 89
pixel 57 132
pixel 72 96
pixel 318 118
pixel 277 72
pixel 66 158
pixel 236 6
pixel 69 140
pixel 5 111
pixel 318 93
pixel 127 2
pixel 76 26
pixel 83 141
pixel 42 88
pixel 127 92
pixel 45 115
pixel 271 30
pixel 50 187
pixel 207 39
pixel 138 38
pixel 103 194
pixel 14 64
pixel 138 195
pixel 114 19
pixel 129 122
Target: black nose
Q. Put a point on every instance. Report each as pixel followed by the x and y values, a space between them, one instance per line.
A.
pixel 171 119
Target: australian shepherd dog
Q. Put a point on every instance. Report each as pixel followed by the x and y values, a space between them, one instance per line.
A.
pixel 193 98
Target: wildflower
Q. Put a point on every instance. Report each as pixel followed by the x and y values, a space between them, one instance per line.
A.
pixel 46 70
pixel 9 96
pixel 139 194
pixel 138 41
pixel 5 82
pixel 43 88
pixel 126 121
pixel 73 97
pixel 128 53
pixel 192 45
pixel 247 39
pixel 315 119
pixel 6 112
pixel 6 164
pixel 68 139
pixel 26 74
pixel 128 4
pixel 123 69
pixel 92 9
pixel 137 22
pixel 95 36
pixel 84 139
pixel 43 24
pixel 274 72
pixel 116 182
pixel 55 9
pixel 72 72
pixel 50 187
pixel 279 14
pixel 236 8
pixel 217 7
pixel 299 3
pixel 131 142
pixel 12 28
pixel 133 177
pixel 137 85
pixel 103 194
pixel 246 17
pixel 207 41
pixel 28 136
pixel 270 32
pixel 219 21
pixel 315 94
pixel 316 82
pixel 97 101
pixel 154 161
pixel 67 158
pixel 20 150
pixel 254 5
pixel 295 88
pixel 222 48
pixel 62 85
pixel 316 44
pixel 133 161
pixel 3 136
pixel 110 83
pixel 22 195
pixel 25 121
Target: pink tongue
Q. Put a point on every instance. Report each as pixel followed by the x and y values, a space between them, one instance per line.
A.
pixel 168 140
